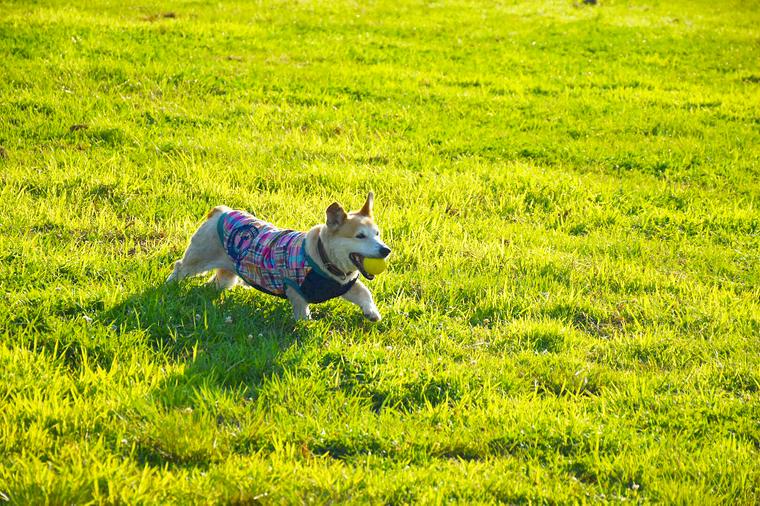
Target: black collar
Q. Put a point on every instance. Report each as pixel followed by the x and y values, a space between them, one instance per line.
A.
pixel 328 264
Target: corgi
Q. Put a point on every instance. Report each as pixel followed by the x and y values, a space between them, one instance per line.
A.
pixel 304 267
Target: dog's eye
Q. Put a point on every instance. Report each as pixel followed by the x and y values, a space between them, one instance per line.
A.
pixel 361 236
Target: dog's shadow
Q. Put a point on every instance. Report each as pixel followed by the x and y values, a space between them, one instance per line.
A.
pixel 231 340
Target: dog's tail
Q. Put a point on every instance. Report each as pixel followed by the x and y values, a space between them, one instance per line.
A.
pixel 217 210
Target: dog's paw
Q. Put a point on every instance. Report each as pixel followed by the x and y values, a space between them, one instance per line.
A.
pixel 373 315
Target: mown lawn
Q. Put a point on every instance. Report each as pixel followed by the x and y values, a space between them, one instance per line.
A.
pixel 572 193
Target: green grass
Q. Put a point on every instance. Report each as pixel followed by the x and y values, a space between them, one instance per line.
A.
pixel 572 194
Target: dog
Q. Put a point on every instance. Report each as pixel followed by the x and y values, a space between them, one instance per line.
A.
pixel 304 267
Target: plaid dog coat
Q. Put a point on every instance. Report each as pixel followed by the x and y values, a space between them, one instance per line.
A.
pixel 270 258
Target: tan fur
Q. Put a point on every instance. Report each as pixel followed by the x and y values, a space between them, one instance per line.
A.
pixel 335 215
pixel 366 209
pixel 351 225
pixel 217 209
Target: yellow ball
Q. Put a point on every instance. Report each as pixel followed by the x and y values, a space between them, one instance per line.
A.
pixel 374 266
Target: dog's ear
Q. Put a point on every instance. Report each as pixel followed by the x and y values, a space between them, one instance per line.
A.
pixel 366 209
pixel 335 216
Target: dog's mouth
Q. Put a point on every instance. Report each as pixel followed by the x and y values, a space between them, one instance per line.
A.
pixel 358 261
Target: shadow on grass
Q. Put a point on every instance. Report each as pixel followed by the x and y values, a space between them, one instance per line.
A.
pixel 222 352
pixel 229 340
pixel 217 347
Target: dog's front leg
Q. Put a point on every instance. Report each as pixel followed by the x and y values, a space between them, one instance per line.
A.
pixel 361 296
pixel 300 306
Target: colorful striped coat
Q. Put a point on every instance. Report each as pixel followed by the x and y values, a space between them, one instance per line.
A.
pixel 270 258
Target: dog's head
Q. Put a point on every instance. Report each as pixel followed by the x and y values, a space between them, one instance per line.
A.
pixel 352 236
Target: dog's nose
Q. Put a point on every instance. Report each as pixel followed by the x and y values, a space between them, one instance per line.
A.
pixel 385 251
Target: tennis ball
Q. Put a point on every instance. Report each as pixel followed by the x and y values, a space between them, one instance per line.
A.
pixel 374 266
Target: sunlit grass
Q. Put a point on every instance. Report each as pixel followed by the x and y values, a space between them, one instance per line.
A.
pixel 571 313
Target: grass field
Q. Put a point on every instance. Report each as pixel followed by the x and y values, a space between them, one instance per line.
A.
pixel 572 193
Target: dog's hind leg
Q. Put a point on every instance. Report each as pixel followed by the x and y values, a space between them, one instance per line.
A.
pixel 177 274
pixel 205 251
pixel 223 279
